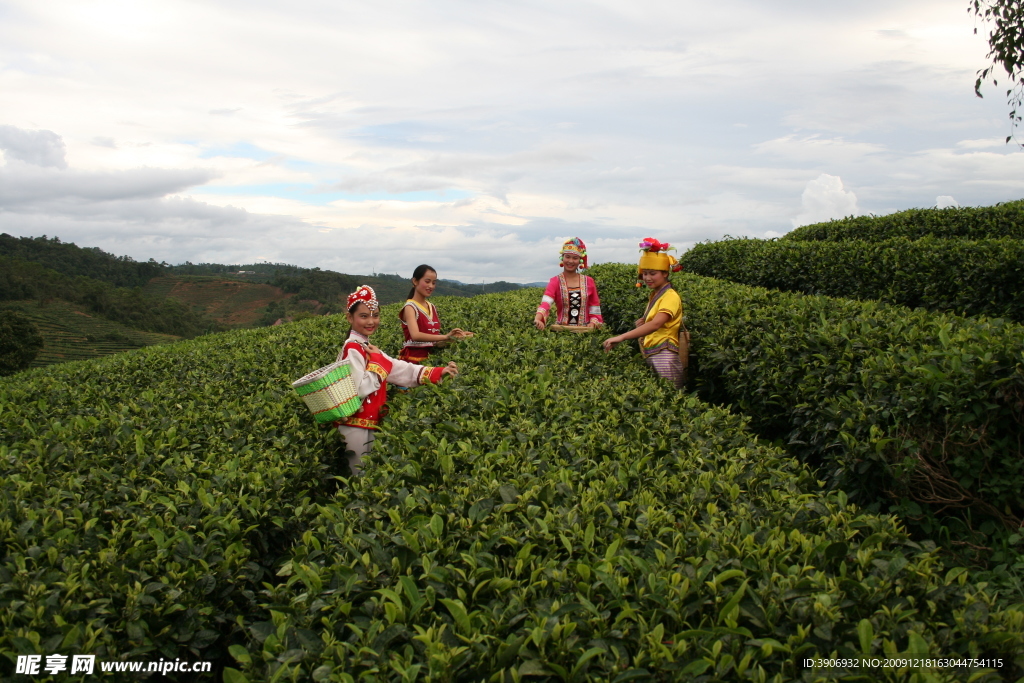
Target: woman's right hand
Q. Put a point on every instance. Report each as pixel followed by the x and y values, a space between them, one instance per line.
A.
pixel 538 322
pixel 372 349
pixel 639 322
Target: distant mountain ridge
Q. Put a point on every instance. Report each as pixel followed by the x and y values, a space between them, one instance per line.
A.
pixel 56 283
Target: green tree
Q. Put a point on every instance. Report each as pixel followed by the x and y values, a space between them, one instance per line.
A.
pixel 20 342
pixel 1006 49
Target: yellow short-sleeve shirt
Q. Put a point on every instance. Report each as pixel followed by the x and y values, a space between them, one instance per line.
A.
pixel 666 336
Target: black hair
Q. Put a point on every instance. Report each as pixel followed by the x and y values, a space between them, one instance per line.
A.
pixel 420 271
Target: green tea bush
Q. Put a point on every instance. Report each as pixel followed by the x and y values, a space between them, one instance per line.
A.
pixel 983 222
pixel 886 401
pixel 558 512
pixel 144 498
pixel 553 512
pixel 983 277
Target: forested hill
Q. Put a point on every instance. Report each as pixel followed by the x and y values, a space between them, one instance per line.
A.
pixel 55 287
pixel 70 259
pixel 329 286
pixel 27 281
pixel 324 286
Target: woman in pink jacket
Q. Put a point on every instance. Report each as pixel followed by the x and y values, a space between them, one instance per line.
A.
pixel 573 294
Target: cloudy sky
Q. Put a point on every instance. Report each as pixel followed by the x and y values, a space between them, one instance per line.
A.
pixel 477 135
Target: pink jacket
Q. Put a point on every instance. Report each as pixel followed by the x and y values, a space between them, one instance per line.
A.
pixel 558 293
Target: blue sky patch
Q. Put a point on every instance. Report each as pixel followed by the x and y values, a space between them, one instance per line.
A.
pixel 243 150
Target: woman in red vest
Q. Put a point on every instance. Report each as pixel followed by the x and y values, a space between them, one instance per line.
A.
pixel 372 370
pixel 421 324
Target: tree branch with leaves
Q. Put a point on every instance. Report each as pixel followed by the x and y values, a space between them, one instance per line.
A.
pixel 1006 50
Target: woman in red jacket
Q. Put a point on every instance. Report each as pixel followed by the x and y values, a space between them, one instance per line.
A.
pixel 372 370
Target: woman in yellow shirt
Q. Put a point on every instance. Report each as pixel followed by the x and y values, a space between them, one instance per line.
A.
pixel 658 329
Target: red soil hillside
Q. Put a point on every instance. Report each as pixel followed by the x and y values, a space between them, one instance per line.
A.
pixel 231 302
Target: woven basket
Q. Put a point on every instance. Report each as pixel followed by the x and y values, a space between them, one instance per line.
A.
pixel 329 393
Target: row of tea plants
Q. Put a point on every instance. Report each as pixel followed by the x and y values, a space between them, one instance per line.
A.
pixel 554 512
pixel 146 497
pixel 924 409
pixel 969 277
pixel 976 223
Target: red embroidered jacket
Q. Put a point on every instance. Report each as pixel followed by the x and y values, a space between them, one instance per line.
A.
pixel 371 373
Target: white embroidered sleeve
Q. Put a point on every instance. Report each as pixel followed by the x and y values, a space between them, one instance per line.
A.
pixel 404 374
pixel 366 382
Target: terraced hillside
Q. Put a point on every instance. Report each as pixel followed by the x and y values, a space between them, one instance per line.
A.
pixel 229 301
pixel 71 334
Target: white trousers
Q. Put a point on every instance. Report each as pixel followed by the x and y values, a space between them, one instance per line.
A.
pixel 358 442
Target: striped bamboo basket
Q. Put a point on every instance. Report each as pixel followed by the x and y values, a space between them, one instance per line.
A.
pixel 329 393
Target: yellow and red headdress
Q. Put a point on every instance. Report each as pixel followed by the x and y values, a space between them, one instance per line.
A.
pixel 363 295
pixel 575 245
pixel 653 256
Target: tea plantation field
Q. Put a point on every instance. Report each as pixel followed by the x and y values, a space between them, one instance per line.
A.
pixel 970 277
pixel 889 403
pixel 553 513
pixel 70 334
pixel 970 222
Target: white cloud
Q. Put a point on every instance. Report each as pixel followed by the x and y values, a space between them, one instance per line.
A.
pixel 825 199
pixel 945 202
pixel 806 149
pixel 24 187
pixel 481 132
pixel 36 147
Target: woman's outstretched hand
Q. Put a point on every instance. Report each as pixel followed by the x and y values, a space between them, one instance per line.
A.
pixel 610 343
pixel 451 369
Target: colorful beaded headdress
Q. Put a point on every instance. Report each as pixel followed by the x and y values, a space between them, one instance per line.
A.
pixel 364 295
pixel 575 246
pixel 653 256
